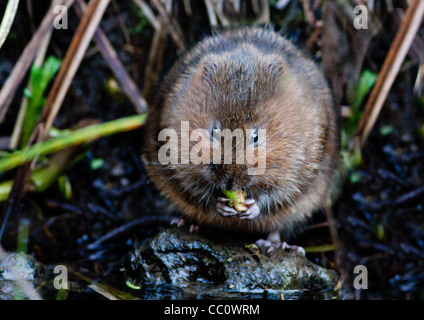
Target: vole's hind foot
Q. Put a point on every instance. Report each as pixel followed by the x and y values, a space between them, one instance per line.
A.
pixel 295 248
pixel 178 221
pixel 194 228
pixel 181 222
pixel 223 209
pixel 267 246
pixel 273 242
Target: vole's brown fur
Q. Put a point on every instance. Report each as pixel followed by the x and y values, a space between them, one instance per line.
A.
pixel 248 78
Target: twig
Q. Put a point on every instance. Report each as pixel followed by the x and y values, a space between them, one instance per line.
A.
pixel 171 26
pixel 236 5
pixel 154 64
pixel 419 82
pixel 130 225
pixel 30 14
pixel 410 196
pixel 103 288
pixel 126 82
pixel 14 139
pixel 7 21
pixel 187 7
pixel 74 55
pixel 148 13
pixel 21 67
pixel 264 16
pixel 281 4
pixel 309 15
pixel 211 14
pixel 218 7
pixel 121 21
pixel 4 143
pixel 233 8
pixel 102 292
pixel 15 195
pixel 315 36
pixel 168 5
pixel 337 244
pixel 390 69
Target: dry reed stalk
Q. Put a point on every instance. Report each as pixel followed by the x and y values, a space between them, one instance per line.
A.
pixel 390 69
pixel 109 54
pixel 24 62
pixel 79 44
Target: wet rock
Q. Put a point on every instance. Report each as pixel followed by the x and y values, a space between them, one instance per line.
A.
pixel 28 268
pixel 182 259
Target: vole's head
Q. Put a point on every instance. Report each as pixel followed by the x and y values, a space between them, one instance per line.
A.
pixel 231 108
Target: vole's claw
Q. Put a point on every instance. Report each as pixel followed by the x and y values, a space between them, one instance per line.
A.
pixel 194 228
pixel 181 222
pixel 249 202
pixel 253 212
pixel 274 242
pixel 178 221
pixel 225 210
pixel 269 246
pixel 265 244
pixel 296 249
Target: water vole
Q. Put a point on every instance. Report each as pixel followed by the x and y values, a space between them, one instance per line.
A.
pixel 254 80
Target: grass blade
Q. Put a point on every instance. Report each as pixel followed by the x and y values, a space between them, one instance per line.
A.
pixel 74 138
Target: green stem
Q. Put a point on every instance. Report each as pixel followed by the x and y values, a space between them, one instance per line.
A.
pixel 41 178
pixel 74 138
pixel 322 248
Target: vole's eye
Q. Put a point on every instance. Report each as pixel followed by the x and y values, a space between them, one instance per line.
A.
pixel 215 132
pixel 254 137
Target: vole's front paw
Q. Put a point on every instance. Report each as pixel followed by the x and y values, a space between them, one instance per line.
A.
pixel 252 212
pixel 223 209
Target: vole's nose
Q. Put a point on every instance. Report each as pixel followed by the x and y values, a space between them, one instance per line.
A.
pixel 229 184
pixel 229 176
